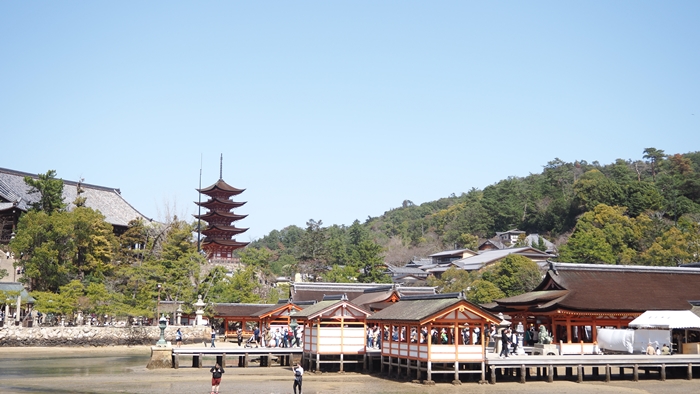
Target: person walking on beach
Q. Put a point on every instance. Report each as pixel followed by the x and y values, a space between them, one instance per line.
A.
pixel 216 372
pixel 178 337
pixel 298 372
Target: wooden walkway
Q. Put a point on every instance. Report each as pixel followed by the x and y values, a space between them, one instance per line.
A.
pixel 547 366
pixel 284 355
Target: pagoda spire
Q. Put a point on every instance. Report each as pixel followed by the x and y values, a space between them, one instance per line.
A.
pixel 219 241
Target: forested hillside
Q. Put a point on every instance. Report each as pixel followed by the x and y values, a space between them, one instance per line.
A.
pixel 643 211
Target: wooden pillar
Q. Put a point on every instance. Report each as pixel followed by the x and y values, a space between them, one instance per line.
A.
pixel 418 374
pixel 550 374
pixel 199 360
pixel 493 374
pixel 246 360
pixel 690 370
pixel 522 373
pixel 579 379
pixel 456 370
pixel 381 363
pixel 635 373
pixel 607 373
pixel 483 372
pixel 176 361
pixel 341 361
pixel 568 330
pixel 269 360
pixel 662 372
pixel 430 371
pixel 388 372
pixel 318 359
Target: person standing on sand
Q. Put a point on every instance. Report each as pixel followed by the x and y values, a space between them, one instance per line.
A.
pixel 298 372
pixel 178 337
pixel 216 372
pixel 213 336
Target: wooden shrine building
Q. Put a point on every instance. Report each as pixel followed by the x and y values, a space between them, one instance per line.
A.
pixel 574 299
pixel 425 335
pixel 334 333
pixel 219 242
pixel 235 315
pixel 16 199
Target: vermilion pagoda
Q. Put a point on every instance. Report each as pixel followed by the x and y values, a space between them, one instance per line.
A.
pixel 219 242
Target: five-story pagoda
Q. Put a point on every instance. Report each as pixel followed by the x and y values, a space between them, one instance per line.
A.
pixel 219 242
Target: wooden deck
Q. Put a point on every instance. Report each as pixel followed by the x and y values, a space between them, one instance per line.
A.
pixel 547 366
pixel 284 355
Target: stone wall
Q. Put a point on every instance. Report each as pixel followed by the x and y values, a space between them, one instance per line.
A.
pixel 97 336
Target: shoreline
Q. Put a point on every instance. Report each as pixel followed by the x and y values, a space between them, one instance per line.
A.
pixel 110 374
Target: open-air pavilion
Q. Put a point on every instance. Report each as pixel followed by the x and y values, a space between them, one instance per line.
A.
pixel 334 333
pixel 422 336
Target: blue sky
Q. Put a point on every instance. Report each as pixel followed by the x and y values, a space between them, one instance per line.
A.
pixel 337 111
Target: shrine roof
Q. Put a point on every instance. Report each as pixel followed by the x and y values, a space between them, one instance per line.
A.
pixel 304 291
pixel 418 309
pixel 609 288
pixel 239 309
pixel 225 242
pixel 230 229
pixel 320 307
pixel 221 185
pixel 107 200
pixel 228 215
pixel 270 310
pixel 534 297
pixel 215 201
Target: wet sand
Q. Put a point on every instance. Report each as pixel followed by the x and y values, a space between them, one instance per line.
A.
pixel 138 379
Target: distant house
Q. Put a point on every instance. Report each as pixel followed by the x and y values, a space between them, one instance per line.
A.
pixel 451 255
pixel 15 200
pixel 489 257
pixel 510 237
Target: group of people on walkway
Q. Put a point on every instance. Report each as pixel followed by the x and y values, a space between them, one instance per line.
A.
pixel 277 337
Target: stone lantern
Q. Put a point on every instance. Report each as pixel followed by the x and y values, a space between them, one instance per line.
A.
pixel 200 311
pixel 162 323
pixel 519 350
pixel 178 315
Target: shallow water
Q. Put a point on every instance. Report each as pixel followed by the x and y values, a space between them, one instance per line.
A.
pixel 123 371
pixel 80 365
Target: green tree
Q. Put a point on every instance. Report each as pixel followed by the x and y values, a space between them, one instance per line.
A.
pixel 368 255
pixel 594 188
pixel 453 280
pixel 482 291
pixel 604 235
pixel 243 286
pixel 513 275
pixel 50 192
pixel 654 156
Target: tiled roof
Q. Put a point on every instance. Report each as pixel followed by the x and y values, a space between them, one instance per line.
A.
pixel 306 291
pixel 600 287
pixel 239 309
pixel 454 252
pixel 319 307
pixel 414 310
pixel 15 286
pixel 108 201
